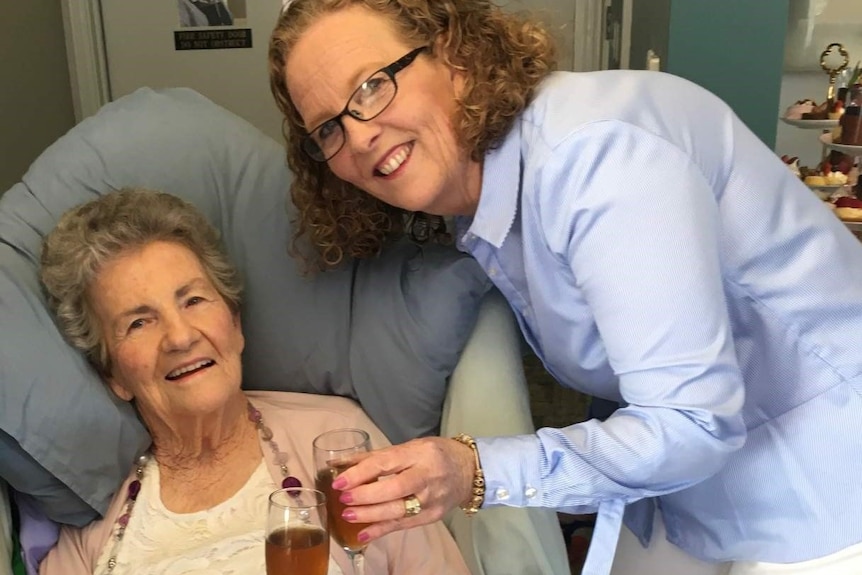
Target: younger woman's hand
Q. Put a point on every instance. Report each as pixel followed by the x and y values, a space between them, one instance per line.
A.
pixel 435 470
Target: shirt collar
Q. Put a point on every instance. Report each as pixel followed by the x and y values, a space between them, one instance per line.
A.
pixel 501 185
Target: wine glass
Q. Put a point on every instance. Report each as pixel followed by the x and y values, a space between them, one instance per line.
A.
pixel 333 453
pixel 297 538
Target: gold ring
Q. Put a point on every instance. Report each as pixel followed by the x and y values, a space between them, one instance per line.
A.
pixel 412 506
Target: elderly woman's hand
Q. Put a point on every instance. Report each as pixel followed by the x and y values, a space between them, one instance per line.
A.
pixel 436 470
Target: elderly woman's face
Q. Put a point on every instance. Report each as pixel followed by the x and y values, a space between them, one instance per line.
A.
pixel 408 156
pixel 173 342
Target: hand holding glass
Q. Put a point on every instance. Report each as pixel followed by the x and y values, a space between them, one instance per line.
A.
pixel 297 538
pixel 333 453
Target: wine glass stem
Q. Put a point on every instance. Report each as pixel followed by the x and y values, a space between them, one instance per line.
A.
pixel 358 560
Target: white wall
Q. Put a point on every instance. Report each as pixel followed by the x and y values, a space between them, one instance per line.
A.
pixel 814 24
pixel 139 42
pixel 36 98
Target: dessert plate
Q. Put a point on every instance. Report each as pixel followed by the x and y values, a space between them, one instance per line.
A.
pixel 827 187
pixel 826 139
pixel 811 124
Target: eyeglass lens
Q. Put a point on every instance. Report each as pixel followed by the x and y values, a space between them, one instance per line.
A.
pixel 369 100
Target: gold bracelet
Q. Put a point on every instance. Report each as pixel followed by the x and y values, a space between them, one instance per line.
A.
pixel 477 497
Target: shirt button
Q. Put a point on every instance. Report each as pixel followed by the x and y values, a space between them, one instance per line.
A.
pixel 492 272
pixel 530 492
pixel 502 493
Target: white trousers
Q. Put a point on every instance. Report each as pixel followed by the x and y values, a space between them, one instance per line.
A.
pixel 660 558
pixel 665 558
pixel 845 562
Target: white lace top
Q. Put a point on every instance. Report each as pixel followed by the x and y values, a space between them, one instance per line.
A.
pixel 226 539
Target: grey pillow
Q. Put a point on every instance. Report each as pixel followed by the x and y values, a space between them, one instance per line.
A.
pixel 387 332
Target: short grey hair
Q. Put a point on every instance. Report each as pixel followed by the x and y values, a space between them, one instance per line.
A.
pixel 93 234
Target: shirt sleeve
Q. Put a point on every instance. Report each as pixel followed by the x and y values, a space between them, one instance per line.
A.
pixel 637 223
pixel 67 556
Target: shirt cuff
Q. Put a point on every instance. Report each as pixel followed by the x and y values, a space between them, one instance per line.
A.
pixel 512 470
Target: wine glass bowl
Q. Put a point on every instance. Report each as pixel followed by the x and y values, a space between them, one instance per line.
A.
pixel 297 534
pixel 334 452
pixel 345 533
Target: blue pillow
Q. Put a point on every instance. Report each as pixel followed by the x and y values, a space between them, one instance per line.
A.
pixel 387 331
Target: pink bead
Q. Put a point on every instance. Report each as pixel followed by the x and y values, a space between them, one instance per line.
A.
pixel 123 520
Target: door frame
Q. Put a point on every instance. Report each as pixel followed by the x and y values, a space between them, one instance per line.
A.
pixel 624 9
pixel 590 34
pixel 85 52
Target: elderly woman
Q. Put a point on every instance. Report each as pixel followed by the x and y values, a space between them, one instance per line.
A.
pixel 139 283
pixel 655 252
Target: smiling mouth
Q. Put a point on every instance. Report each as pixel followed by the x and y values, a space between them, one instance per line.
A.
pixel 395 161
pixel 189 369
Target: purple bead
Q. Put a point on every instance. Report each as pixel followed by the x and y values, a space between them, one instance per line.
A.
pixel 254 415
pixel 134 489
pixel 291 481
pixel 123 520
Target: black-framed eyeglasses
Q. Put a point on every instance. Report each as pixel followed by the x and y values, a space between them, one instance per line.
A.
pixel 366 103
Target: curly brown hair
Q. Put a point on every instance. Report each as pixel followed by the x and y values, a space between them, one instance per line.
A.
pixel 93 234
pixel 505 57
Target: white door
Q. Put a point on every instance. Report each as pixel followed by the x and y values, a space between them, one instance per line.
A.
pixel 146 44
pixel 118 46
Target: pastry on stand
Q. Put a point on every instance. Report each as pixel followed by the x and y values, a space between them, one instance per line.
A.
pixel 849 209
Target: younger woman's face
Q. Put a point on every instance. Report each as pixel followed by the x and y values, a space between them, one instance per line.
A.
pixel 408 156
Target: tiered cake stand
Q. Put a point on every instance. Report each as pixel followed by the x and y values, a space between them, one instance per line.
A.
pixel 856 152
pixel 833 60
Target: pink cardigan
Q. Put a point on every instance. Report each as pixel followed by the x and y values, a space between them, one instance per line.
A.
pixel 295 419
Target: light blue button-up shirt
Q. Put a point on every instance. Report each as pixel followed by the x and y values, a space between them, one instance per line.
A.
pixel 656 253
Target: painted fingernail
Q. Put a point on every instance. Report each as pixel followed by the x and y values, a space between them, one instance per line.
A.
pixel 346 497
pixel 339 483
pixel 363 537
pixel 348 515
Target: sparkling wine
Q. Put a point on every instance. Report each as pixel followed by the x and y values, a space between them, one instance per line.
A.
pixel 295 550
pixel 343 532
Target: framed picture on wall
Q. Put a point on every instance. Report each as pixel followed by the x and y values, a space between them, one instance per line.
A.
pixel 205 13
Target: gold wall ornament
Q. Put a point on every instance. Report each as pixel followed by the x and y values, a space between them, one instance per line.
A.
pixel 834 59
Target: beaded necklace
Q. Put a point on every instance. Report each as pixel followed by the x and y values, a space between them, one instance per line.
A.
pixel 135 486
